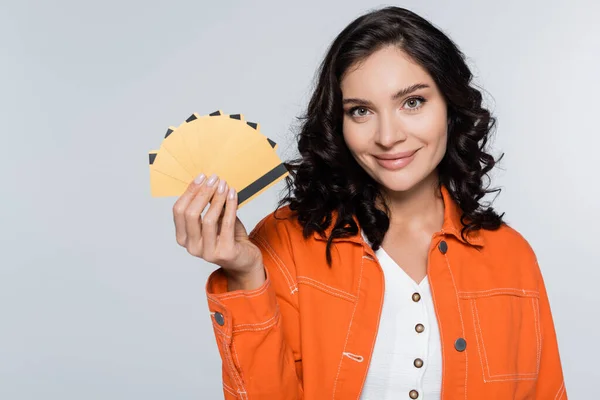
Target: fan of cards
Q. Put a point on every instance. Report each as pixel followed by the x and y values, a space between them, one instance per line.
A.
pixel 225 145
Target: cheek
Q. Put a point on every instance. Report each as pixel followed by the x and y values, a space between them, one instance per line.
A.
pixel 441 148
pixel 432 129
pixel 436 141
pixel 356 138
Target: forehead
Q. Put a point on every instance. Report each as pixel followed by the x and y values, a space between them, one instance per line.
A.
pixel 386 70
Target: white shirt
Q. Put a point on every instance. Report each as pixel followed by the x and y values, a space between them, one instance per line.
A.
pixel 392 373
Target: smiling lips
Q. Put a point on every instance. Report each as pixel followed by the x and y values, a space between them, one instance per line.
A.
pixel 395 161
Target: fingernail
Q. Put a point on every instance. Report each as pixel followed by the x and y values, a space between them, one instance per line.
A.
pixel 222 185
pixel 231 193
pixel 199 179
pixel 211 181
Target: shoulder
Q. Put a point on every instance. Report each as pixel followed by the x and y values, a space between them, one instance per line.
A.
pixel 510 240
pixel 509 251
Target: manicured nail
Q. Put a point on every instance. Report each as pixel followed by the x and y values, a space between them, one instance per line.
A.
pixel 231 194
pixel 212 180
pixel 222 185
pixel 199 179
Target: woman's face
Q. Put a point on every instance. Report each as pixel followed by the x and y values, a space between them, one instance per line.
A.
pixel 395 120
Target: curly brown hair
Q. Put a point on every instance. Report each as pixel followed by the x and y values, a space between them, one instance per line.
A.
pixel 326 178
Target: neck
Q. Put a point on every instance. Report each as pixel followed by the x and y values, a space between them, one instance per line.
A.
pixel 421 206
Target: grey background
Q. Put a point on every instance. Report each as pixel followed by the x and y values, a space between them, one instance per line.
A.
pixel 97 301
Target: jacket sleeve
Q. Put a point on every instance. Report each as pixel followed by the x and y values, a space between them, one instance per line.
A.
pixel 550 383
pixel 257 332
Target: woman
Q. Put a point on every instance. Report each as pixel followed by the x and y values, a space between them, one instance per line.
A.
pixel 381 275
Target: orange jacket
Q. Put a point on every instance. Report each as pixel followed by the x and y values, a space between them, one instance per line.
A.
pixel 308 332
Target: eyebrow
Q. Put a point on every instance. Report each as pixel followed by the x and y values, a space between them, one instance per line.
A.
pixel 399 94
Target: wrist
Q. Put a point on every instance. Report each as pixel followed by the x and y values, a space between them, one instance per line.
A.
pixel 250 280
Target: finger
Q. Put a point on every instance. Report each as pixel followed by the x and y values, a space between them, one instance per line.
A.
pixel 227 236
pixel 181 205
pixel 193 216
pixel 210 222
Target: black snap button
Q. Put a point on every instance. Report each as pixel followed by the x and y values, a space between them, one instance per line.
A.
pixel 416 297
pixel 443 246
pixel 460 344
pixel 219 318
pixel 418 363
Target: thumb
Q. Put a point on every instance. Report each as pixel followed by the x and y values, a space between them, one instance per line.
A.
pixel 240 232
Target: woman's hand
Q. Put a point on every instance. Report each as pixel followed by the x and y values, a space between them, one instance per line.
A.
pixel 219 237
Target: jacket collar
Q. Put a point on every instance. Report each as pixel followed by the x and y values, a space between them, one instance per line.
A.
pixel 452 224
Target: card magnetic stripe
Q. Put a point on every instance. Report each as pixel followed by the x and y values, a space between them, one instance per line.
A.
pixel 261 183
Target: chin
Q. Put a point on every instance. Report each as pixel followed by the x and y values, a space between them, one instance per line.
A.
pixel 399 181
pixel 403 180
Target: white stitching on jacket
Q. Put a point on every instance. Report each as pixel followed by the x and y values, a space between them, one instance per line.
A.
pixel 538 333
pixel 496 291
pixel 524 376
pixel 349 327
pixel 245 293
pixel 229 390
pixel 561 391
pixel 477 339
pixel 355 357
pixel 260 323
pixel 233 370
pixel 329 289
pixel 462 325
pixel 264 328
pixel 280 264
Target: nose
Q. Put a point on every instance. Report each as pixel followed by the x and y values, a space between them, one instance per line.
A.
pixel 390 130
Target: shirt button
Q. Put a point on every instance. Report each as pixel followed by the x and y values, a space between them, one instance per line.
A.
pixel 416 297
pixel 443 246
pixel 418 363
pixel 419 328
pixel 413 394
pixel 460 344
pixel 219 318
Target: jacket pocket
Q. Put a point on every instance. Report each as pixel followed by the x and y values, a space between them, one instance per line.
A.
pixel 506 326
